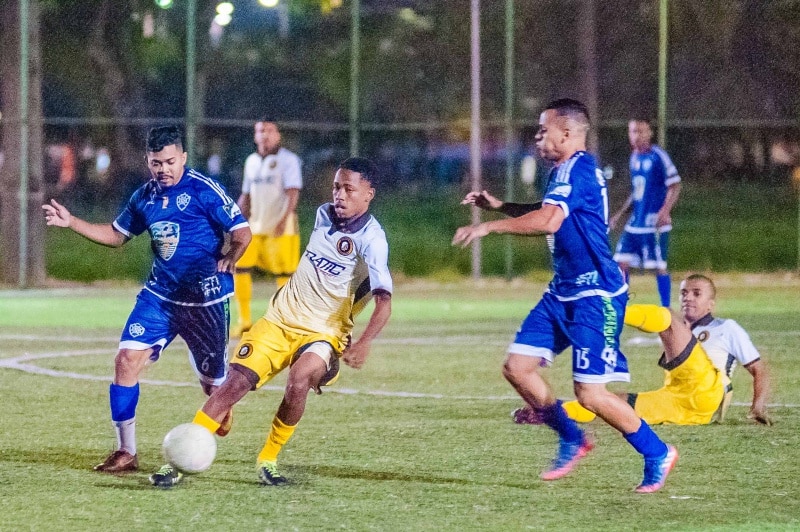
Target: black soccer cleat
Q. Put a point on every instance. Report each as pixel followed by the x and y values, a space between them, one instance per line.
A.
pixel 166 477
pixel 268 474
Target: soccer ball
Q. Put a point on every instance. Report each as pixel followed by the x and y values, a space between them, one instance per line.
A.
pixel 189 448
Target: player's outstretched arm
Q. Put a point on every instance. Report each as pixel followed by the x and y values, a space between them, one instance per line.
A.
pixel 486 201
pixel 57 215
pixel 758 410
pixel 356 354
pixel 240 239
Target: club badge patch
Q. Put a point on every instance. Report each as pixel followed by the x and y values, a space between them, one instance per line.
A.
pixel 703 336
pixel 244 351
pixel 166 236
pixel 183 200
pixel 135 329
pixel 345 245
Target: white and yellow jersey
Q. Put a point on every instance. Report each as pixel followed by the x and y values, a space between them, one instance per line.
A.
pixel 342 266
pixel 725 342
pixel 266 180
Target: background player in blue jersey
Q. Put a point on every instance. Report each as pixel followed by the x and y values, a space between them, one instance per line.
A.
pixel 186 215
pixel 584 304
pixel 655 186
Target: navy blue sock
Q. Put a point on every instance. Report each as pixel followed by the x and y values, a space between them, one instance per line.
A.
pixel 556 418
pixel 123 401
pixel 646 442
pixel 664 284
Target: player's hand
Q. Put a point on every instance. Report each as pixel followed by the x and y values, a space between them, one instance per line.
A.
pixel 482 200
pixel 56 214
pixel 356 354
pixel 760 416
pixel 465 235
pixel 226 265
pixel 613 222
pixel 279 228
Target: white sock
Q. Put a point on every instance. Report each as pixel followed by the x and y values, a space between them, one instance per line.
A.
pixel 126 435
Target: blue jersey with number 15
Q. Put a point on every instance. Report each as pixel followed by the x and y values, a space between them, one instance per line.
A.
pixel 186 223
pixel 581 251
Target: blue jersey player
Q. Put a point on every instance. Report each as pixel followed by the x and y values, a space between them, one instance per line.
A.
pixel 584 304
pixel 186 216
pixel 655 185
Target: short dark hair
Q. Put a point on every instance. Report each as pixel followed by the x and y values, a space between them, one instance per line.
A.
pixel 705 279
pixel 363 166
pixel 160 137
pixel 570 108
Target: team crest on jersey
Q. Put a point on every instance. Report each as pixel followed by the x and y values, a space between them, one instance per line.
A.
pixel 272 164
pixel 703 336
pixel 345 245
pixel 232 210
pixel 166 236
pixel 245 350
pixel 136 329
pixel 183 200
pixel 647 164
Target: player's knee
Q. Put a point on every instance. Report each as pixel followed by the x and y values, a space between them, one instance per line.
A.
pixel 516 368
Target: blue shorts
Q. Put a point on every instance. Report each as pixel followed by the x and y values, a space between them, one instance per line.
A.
pixel 643 250
pixel 154 323
pixel 591 325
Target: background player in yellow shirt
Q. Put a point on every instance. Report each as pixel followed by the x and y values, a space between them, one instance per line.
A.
pixel 270 191
pixel 308 323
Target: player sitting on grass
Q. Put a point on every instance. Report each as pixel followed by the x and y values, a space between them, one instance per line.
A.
pixel 700 354
pixel 308 323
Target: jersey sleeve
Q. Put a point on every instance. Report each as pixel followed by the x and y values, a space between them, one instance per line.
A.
pixel 561 190
pixel 130 221
pixel 376 256
pixel 247 175
pixel 292 177
pixel 740 345
pixel 222 209
pixel 670 171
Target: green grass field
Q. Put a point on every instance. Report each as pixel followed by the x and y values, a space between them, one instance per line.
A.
pixel 419 439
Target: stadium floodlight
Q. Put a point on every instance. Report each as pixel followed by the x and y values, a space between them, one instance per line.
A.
pixel 269 3
pixel 164 4
pixel 225 9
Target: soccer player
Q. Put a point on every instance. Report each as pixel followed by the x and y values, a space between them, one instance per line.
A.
pixel 308 324
pixel 270 191
pixel 186 216
pixel 583 304
pixel 700 355
pixel 655 186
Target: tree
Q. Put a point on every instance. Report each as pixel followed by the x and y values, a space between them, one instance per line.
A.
pixel 10 175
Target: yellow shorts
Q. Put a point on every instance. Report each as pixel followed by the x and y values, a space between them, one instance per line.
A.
pixel 277 255
pixel 267 349
pixel 692 392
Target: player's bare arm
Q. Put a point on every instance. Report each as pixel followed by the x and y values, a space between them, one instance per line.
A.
pixel 614 220
pixel 244 204
pixel 758 410
pixel 546 220
pixel 486 201
pixel 356 353
pixel 293 196
pixel 240 239
pixel 665 213
pixel 57 215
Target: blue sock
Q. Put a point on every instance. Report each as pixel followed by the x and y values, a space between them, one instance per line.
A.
pixel 123 401
pixel 556 418
pixel 646 442
pixel 664 284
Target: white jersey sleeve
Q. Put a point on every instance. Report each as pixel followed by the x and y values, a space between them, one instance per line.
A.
pixel 726 344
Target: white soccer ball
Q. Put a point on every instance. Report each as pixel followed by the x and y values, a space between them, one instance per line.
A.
pixel 190 448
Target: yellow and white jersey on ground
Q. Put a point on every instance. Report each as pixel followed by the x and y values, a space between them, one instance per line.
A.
pixel 725 342
pixel 266 180
pixel 339 270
